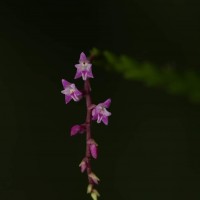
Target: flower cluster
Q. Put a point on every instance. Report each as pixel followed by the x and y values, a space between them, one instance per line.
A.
pixel 97 113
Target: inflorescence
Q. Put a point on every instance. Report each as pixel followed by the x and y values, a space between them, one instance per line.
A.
pixel 95 112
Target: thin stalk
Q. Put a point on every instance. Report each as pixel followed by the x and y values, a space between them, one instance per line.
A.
pixel 88 126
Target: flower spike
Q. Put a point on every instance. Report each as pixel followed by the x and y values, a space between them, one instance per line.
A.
pixel 97 112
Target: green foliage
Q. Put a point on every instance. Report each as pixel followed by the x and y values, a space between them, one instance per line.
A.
pixel 186 83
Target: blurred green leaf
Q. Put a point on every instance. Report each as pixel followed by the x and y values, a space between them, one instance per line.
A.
pixel 175 82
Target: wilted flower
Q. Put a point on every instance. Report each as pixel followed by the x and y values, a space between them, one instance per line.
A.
pixel 100 113
pixel 84 68
pixel 70 91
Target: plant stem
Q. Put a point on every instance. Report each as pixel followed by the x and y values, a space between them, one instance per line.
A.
pixel 88 126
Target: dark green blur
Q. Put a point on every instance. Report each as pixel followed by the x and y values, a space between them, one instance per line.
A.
pixel 185 82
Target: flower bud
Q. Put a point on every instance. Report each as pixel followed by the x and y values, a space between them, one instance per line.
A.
pixel 93 147
pixel 93 150
pixel 94 194
pixel 94 178
pixel 83 165
pixel 77 129
pixel 89 188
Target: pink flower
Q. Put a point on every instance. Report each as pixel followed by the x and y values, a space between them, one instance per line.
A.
pixel 84 68
pixel 77 129
pixel 100 113
pixel 93 148
pixel 70 91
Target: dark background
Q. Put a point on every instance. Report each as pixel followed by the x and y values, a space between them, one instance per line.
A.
pixel 150 150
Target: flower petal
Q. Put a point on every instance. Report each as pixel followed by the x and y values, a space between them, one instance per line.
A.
pixel 74 97
pixel 99 118
pixel 107 103
pixel 94 117
pixel 77 75
pixel 90 74
pixel 67 99
pixel 83 58
pixel 105 120
pixel 106 113
pixel 64 92
pixel 78 66
pixel 84 75
pixel 94 112
pixel 89 67
pixel 65 83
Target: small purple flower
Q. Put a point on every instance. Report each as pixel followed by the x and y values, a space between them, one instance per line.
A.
pixel 70 91
pixel 77 129
pixel 84 68
pixel 100 113
pixel 93 148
